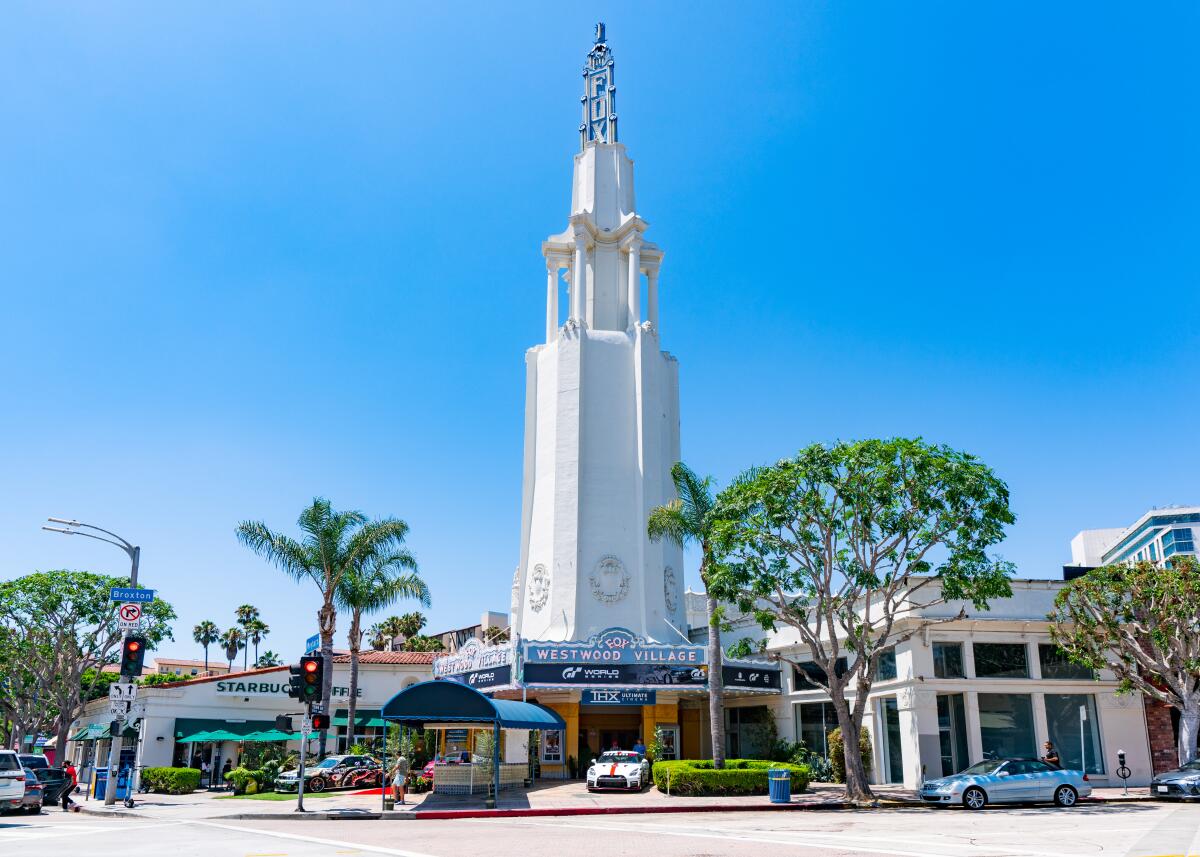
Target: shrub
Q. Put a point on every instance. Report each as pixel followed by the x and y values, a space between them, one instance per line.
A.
pixel 837 753
pixel 240 778
pixel 739 777
pixel 822 771
pixel 171 781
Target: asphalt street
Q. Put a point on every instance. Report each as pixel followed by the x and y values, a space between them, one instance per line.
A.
pixel 1129 830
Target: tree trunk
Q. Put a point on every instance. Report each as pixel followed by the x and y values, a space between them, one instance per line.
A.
pixel 857 788
pixel 245 655
pixel 206 657
pixel 355 644
pixel 1189 726
pixel 716 688
pixel 326 625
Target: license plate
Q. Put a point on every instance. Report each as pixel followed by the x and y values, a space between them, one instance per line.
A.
pixel 1163 790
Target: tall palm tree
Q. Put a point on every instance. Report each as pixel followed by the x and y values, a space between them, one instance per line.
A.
pixel 256 629
pixel 206 633
pixel 246 614
pixel 690 518
pixel 379 581
pixel 233 640
pixel 333 543
pixel 384 633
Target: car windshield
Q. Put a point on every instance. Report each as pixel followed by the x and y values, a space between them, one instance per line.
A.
pixel 1191 766
pixel 984 768
pixel 8 762
pixel 34 761
pixel 614 757
pixel 328 763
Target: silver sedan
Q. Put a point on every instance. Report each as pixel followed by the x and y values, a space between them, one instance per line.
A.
pixel 1007 781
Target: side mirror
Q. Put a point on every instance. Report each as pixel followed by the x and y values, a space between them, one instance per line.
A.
pixel 593 761
pixel 1002 773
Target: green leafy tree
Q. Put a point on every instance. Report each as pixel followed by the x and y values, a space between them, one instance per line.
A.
pixel 333 543
pixel 690 519
pixel 206 633
pixel 268 659
pixel 247 614
pixel 839 541
pixel 63 624
pixel 1143 623
pixel 379 581
pixel 421 643
pixel 234 640
pixel 410 624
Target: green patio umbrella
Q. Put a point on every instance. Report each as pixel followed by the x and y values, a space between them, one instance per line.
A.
pixel 198 738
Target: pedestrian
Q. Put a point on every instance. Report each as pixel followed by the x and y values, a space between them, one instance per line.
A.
pixel 204 772
pixel 72 779
pixel 639 747
pixel 399 775
pixel 225 769
pixel 1051 756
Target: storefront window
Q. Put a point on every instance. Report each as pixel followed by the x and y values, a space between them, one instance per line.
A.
pixel 885 667
pixel 1075 730
pixel 1001 660
pixel 1006 725
pixel 1055 664
pixel 552 744
pixel 748 731
pixel 806 674
pixel 948 660
pixel 893 756
pixel 952 732
pixel 814 721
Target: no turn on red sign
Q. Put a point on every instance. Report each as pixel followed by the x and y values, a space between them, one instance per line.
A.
pixel 128 616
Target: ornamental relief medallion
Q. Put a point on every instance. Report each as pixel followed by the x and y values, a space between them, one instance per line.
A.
pixel 539 587
pixel 609 580
pixel 669 586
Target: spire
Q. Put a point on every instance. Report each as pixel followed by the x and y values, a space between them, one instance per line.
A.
pixel 599 95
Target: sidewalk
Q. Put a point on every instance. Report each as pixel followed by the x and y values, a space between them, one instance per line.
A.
pixel 548 798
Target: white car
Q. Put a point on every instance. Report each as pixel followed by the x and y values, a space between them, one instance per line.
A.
pixel 12 779
pixel 619 769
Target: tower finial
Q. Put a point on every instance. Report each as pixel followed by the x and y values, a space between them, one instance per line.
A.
pixel 599 94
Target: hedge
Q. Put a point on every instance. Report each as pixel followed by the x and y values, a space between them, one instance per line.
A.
pixel 171 781
pixel 696 778
pixel 837 753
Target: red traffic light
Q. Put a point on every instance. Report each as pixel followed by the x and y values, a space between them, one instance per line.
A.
pixel 310 666
pixel 133 645
pixel 320 721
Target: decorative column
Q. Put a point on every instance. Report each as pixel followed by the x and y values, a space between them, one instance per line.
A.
pixel 552 265
pixel 578 300
pixel 633 297
pixel 652 297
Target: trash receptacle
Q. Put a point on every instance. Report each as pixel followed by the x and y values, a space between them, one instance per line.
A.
pixel 779 785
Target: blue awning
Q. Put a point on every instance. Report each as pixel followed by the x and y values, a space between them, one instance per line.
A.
pixel 451 702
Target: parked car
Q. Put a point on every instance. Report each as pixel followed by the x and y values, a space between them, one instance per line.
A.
pixel 618 769
pixel 34 792
pixel 1008 781
pixel 12 780
pixel 54 781
pixel 334 772
pixel 32 761
pixel 1183 783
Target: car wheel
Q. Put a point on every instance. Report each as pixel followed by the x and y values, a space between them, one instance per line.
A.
pixel 974 798
pixel 316 784
pixel 1066 796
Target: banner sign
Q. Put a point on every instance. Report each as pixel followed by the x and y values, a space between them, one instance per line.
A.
pixel 485 679
pixel 473 656
pixel 618 697
pixel 619 674
pixel 613 646
pixel 758 676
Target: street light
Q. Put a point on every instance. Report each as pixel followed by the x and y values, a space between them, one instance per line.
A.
pixel 73 529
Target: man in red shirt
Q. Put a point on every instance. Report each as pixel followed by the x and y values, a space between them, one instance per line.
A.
pixel 72 781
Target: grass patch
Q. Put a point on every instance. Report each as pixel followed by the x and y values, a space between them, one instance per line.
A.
pixel 275 796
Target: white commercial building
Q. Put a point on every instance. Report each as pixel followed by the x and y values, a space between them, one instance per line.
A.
pixel 988 685
pixel 1156 536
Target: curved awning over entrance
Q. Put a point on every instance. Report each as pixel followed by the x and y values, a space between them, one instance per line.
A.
pixel 451 702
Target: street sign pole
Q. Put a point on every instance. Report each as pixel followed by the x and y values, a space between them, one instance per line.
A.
pixel 304 729
pixel 114 751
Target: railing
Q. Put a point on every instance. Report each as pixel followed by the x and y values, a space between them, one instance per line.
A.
pixel 471 779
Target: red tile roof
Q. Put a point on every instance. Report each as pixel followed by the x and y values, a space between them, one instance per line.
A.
pixel 373 657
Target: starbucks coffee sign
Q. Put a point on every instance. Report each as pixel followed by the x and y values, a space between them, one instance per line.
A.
pixel 263 687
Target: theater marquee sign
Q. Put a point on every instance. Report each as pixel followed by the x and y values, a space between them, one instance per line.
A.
pixel 615 656
pixel 476 665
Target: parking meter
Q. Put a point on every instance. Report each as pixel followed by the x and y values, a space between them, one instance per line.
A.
pixel 1122 770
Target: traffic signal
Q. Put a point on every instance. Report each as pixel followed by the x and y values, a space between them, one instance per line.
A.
pixel 320 722
pixel 283 723
pixel 133 653
pixel 312 676
pixel 294 683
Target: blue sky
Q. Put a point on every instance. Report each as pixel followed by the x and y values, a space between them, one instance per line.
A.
pixel 257 252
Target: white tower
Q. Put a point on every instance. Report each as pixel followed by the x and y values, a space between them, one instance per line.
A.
pixel 601 411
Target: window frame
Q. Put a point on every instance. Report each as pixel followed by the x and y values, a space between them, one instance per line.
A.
pixel 1024 647
pixel 946 644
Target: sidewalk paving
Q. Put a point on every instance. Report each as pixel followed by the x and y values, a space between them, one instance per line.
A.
pixel 546 798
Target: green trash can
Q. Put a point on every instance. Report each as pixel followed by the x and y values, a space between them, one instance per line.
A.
pixel 779 785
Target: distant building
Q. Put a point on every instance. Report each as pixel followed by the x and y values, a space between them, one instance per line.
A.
pixel 453 640
pixel 188 668
pixel 1156 536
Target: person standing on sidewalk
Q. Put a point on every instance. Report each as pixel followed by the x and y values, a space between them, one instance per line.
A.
pixel 399 775
pixel 72 779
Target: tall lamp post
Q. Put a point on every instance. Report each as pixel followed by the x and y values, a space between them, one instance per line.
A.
pixel 75 528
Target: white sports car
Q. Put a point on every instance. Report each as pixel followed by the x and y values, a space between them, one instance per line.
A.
pixel 619 769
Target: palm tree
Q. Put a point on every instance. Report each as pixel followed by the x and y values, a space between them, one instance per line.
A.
pixel 206 633
pixel 246 614
pixel 376 583
pixel 268 659
pixel 690 518
pixel 333 544
pixel 410 624
pixel 384 633
pixel 256 629
pixel 233 640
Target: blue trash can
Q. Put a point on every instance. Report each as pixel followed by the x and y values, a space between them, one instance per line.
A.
pixel 779 785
